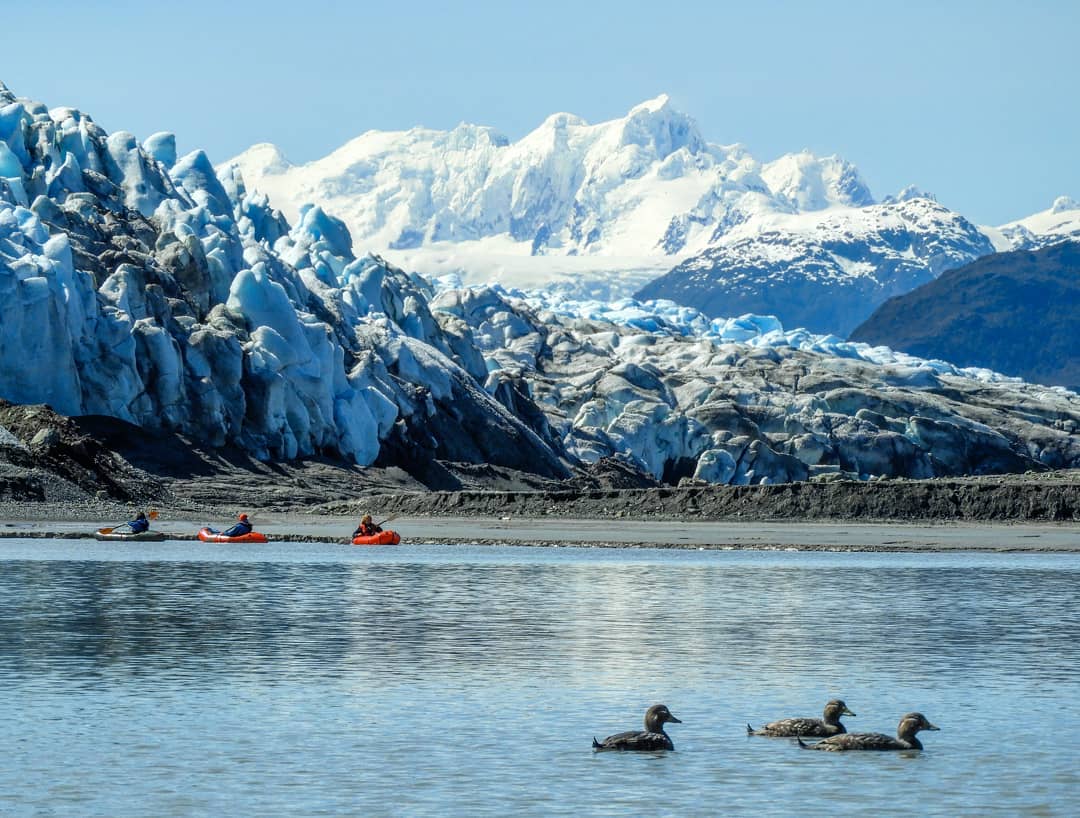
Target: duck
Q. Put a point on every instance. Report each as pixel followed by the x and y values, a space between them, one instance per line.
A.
pixel 910 724
pixel 828 726
pixel 652 738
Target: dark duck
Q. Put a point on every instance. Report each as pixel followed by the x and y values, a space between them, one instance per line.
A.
pixel 828 726
pixel 651 738
pixel 905 739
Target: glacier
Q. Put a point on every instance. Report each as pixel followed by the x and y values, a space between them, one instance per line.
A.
pixel 156 288
pixel 742 400
pixel 167 296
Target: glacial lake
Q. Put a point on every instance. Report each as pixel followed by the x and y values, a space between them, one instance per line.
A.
pixel 291 679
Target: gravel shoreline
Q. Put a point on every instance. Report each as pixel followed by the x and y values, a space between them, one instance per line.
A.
pixel 294 528
pixel 1029 512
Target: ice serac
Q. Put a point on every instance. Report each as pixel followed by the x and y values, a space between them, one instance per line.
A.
pixel 744 401
pixel 142 286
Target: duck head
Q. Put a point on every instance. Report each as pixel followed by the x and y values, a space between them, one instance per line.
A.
pixel 912 723
pixel 657 716
pixel 834 710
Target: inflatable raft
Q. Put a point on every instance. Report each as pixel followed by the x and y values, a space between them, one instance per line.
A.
pixel 382 538
pixel 206 535
pixel 108 535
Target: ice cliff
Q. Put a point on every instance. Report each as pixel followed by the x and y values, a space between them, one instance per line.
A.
pixel 145 285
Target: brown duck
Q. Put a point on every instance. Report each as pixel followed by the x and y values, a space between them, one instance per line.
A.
pixel 905 739
pixel 828 726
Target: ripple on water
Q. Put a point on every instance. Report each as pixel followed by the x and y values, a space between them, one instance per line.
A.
pixel 431 681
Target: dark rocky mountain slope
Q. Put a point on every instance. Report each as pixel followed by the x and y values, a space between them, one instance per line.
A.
pixel 1017 313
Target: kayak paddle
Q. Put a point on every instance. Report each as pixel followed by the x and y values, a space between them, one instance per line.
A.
pixel 153 515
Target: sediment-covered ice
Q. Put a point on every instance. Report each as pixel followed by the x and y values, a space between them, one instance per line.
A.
pixel 743 400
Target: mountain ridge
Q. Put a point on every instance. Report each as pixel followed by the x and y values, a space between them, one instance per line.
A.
pixel 647 186
pixel 643 204
pixel 1011 312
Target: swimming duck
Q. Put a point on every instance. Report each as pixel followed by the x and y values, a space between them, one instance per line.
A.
pixel 828 726
pixel 905 739
pixel 652 738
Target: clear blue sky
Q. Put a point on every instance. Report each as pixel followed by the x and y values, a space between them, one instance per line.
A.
pixel 975 101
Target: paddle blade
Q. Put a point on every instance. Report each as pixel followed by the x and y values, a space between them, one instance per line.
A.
pixel 105 530
pixel 153 515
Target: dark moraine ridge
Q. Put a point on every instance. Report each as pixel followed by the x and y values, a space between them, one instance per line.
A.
pixel 1047 497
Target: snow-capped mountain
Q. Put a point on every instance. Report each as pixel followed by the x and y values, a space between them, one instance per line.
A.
pixel 641 203
pixel 628 197
pixel 150 287
pixel 826 272
pixel 1061 222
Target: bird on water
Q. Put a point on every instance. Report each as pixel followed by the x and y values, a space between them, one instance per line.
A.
pixel 651 738
pixel 828 726
pixel 910 724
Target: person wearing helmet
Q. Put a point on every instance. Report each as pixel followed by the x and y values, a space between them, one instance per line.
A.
pixel 242 527
pixel 366 527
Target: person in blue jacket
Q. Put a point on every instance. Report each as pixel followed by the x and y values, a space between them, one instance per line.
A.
pixel 139 524
pixel 241 528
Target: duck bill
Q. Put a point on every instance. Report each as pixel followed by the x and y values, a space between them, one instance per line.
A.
pixel 847 712
pixel 929 726
pixel 673 720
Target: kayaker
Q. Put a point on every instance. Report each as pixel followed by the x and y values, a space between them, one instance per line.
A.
pixel 242 527
pixel 366 528
pixel 139 524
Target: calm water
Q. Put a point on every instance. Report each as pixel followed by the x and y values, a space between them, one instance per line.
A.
pixel 179 678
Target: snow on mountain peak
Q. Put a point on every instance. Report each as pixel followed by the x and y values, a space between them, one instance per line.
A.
pixel 657 126
pixel 1064 203
pixel 563 120
pixel 907 194
pixel 269 157
pixel 812 183
pixel 654 105
pixel 635 193
pixel 1061 222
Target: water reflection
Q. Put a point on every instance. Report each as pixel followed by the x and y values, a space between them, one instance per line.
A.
pixel 215 618
pixel 469 682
